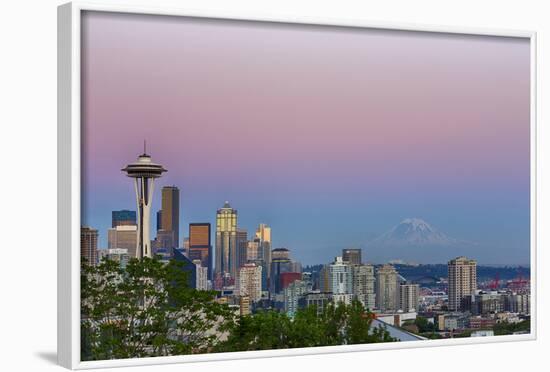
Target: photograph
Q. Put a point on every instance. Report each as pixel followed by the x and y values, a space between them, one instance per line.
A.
pixel 251 185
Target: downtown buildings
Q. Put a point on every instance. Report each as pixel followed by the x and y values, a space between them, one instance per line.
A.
pixel 363 285
pixel 200 246
pixel 123 217
pixel 123 237
pixel 250 281
pixel 387 289
pixel 249 271
pixel 170 217
pixel 88 244
pixel 462 281
pixel 226 266
pixel 352 256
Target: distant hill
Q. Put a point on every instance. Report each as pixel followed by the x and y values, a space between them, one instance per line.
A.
pixel 418 272
pixel 425 273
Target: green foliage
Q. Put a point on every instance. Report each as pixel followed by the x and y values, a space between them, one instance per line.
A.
pixel 423 325
pixel 432 335
pixel 506 328
pixel 463 334
pixel 336 324
pixel 148 309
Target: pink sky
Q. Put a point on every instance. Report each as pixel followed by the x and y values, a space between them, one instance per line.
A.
pixel 238 110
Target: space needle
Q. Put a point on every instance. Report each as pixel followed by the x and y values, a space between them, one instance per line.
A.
pixel 144 172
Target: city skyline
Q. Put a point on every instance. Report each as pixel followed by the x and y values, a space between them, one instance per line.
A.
pixel 333 173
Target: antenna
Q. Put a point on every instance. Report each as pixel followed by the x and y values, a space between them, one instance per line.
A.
pixel 144 147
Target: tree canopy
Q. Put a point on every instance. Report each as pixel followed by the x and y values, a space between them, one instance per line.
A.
pixel 148 309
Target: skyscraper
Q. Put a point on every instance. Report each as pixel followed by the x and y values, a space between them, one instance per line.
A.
pixel 159 219
pixel 119 255
pixel 226 241
pixel 387 288
pixel 352 256
pixel 200 246
pixel 340 277
pixel 144 172
pixel 363 285
pixel 242 246
pixel 408 297
pixel 170 215
pixel 123 237
pixel 323 284
pixel 292 295
pixel 280 263
pixel 187 267
pixel 123 218
pixel 462 281
pixel 250 281
pixel 202 276
pixel 164 243
pixel 88 245
pixel 263 234
pixel 252 251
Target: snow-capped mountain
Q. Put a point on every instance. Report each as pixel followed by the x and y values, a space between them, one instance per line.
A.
pixel 414 232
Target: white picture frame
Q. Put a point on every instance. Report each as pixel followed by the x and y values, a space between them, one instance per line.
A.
pixel 69 17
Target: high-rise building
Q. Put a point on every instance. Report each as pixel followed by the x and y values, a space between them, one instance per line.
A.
pixel 185 248
pixel 159 219
pixel 226 242
pixel 292 295
pixel 307 277
pixel 119 255
pixel 317 299
pixel 242 245
pixel 280 263
pixel 187 267
pixel 484 303
pixel 170 215
pixel 286 279
pixel 123 217
pixel 345 298
pixel 250 282
pixel 88 245
pixel 363 285
pixel 164 242
pixel 408 297
pixel 462 281
pixel 518 303
pixel 263 234
pixel 144 172
pixel 244 305
pixel 323 284
pixel 252 251
pixel 200 246
pixel 123 237
pixel 202 276
pixel 352 256
pixel 340 277
pixel 387 288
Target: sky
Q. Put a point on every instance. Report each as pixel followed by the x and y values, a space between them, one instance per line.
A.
pixel 330 135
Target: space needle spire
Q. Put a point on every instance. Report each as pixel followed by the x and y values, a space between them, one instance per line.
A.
pixel 144 172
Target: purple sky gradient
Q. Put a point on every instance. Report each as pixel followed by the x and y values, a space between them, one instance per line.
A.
pixel 330 135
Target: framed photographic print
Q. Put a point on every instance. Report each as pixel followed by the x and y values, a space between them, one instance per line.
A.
pixel 236 186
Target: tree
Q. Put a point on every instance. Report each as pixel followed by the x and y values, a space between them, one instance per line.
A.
pixel 506 328
pixel 424 325
pixel 146 309
pixel 336 324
